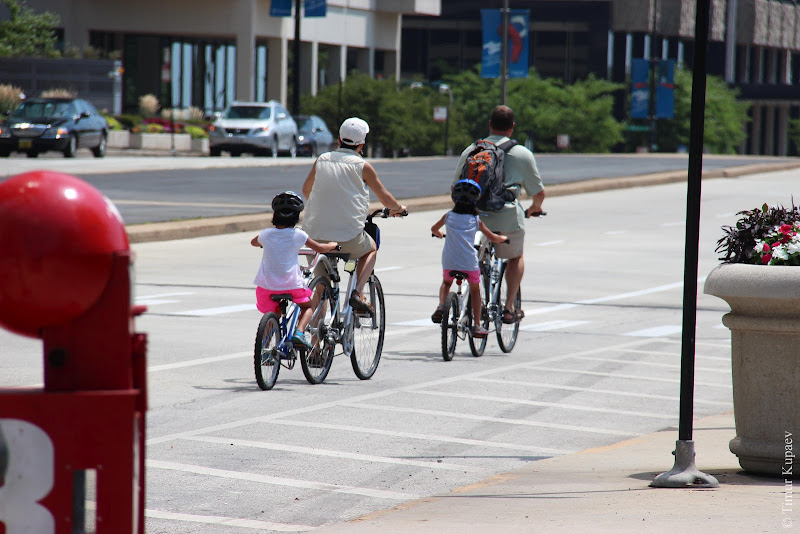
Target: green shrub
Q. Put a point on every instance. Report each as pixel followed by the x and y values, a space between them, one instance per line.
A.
pixel 113 124
pixel 154 128
pixel 196 132
pixel 129 122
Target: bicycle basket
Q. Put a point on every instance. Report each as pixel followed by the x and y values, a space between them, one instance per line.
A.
pixel 374 232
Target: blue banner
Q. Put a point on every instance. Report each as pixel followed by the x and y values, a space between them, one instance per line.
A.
pixel 665 90
pixel 280 8
pixel 316 8
pixel 518 43
pixel 640 88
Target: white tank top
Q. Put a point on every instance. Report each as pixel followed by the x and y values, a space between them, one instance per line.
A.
pixel 337 206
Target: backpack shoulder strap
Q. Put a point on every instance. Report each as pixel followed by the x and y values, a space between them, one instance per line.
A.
pixel 508 145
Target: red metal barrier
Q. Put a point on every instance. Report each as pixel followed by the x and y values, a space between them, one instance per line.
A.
pixel 65 277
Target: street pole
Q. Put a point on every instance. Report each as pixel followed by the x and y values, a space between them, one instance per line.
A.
pixel 296 61
pixel 504 68
pixel 684 473
pixel 653 75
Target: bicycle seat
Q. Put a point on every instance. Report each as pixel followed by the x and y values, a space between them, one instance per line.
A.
pixel 277 297
pixel 459 275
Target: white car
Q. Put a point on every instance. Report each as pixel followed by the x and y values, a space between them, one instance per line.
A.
pixel 259 128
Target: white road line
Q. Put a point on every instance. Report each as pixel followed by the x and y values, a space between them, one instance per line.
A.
pixel 383 269
pixel 656 331
pixel 227 521
pixel 424 437
pixel 162 295
pixel 154 302
pixel 636 394
pixel 522 422
pixel 199 361
pixel 548 243
pixel 206 312
pixel 676 354
pixel 371 396
pixel 551 325
pixel 556 405
pixel 417 322
pixel 280 481
pixel 623 376
pixel 336 454
pixel 675 366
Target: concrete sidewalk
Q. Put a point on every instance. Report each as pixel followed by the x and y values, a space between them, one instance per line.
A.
pixel 603 490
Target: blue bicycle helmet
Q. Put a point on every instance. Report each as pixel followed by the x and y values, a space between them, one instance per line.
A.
pixel 468 190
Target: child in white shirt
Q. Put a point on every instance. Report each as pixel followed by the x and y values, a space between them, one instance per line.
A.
pixel 279 271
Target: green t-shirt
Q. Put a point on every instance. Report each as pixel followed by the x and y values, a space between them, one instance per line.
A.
pixel 521 173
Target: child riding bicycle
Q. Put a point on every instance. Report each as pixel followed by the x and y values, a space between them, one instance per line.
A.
pixel 459 252
pixel 279 271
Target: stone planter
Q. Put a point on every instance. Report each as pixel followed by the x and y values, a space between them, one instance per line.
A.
pixel 765 360
pixel 118 139
pixel 162 141
pixel 200 145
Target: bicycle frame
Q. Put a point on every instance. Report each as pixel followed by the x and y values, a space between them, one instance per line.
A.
pixel 465 310
pixel 495 268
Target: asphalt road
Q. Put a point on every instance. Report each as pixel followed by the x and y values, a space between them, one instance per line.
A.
pixel 597 361
pixel 166 189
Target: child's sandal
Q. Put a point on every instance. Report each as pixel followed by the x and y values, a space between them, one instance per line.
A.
pixel 437 315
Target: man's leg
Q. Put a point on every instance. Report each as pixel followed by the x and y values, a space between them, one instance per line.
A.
pixel 366 264
pixel 514 271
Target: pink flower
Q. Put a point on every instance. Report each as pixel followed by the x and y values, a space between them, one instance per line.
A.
pixel 765 259
pixel 765 248
pixel 786 229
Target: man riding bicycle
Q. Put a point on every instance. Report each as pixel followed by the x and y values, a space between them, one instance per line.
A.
pixel 521 172
pixel 337 193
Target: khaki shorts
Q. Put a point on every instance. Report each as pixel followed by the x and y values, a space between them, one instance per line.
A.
pixel 356 247
pixel 514 248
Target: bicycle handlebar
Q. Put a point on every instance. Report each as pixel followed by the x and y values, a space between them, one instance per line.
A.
pixel 384 213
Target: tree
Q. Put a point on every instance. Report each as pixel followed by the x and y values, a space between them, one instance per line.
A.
pixel 725 117
pixel 27 33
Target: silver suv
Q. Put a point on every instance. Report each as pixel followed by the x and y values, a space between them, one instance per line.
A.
pixel 260 128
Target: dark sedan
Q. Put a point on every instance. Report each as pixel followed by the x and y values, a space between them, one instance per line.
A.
pixel 59 124
pixel 313 136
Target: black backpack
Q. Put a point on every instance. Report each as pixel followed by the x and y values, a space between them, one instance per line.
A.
pixel 484 165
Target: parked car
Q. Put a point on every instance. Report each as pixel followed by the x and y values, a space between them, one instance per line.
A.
pixel 61 124
pixel 313 137
pixel 258 128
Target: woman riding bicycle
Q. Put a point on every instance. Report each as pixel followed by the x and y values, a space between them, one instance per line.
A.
pixel 279 271
pixel 459 252
pixel 337 189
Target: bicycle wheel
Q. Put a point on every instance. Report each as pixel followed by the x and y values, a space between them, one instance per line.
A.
pixel 478 344
pixel 368 332
pixel 317 362
pixel 506 333
pixel 450 327
pixel 267 361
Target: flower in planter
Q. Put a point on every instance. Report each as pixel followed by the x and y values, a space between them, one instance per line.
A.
pixel 781 247
pixel 766 236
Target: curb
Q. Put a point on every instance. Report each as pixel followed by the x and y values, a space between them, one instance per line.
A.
pixel 187 229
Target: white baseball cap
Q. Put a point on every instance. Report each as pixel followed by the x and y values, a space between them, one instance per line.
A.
pixel 353 131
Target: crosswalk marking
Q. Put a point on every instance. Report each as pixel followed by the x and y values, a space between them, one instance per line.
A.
pixel 280 481
pixel 535 367
pixel 556 405
pixel 551 325
pixel 523 422
pixel 424 437
pixel 206 312
pixel 675 366
pixel 656 331
pixel 227 521
pixel 335 454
